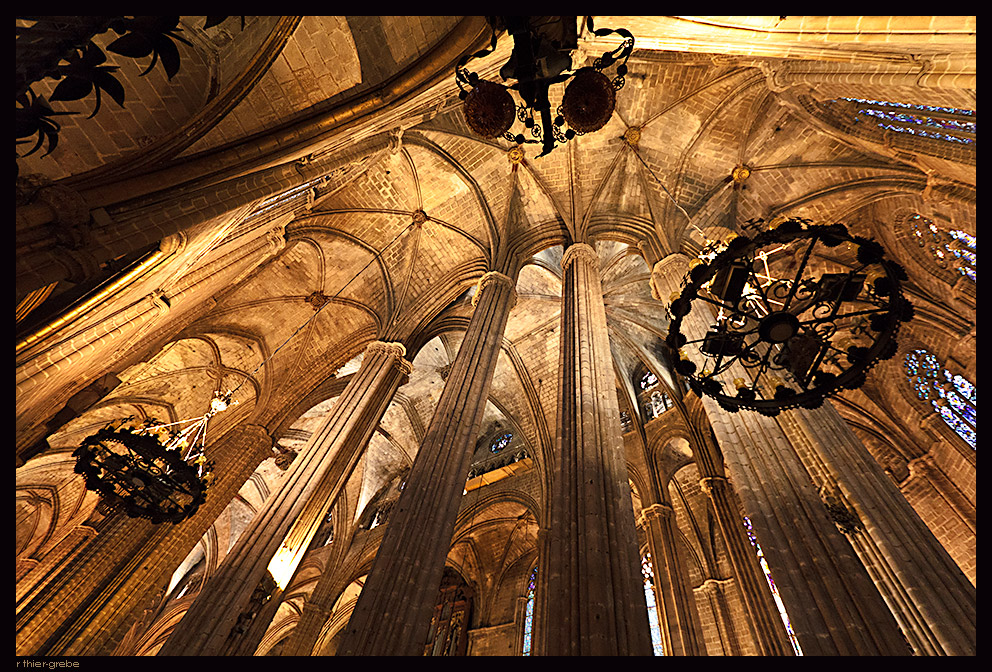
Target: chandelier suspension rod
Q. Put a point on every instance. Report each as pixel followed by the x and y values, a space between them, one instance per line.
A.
pixel 665 189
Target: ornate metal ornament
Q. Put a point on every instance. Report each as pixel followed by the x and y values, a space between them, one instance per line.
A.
pixel 148 470
pixel 541 58
pixel 797 313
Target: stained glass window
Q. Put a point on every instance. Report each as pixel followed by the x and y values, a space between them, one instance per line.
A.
pixel 772 587
pixel 626 424
pixel 658 403
pixel 647 571
pixel 529 612
pixel 952 396
pixel 500 443
pixel 950 249
pixel 950 124
pixel 648 381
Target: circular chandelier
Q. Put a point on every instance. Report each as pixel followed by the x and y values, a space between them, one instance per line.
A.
pixel 795 313
pixel 149 469
pixel 160 471
pixel 541 58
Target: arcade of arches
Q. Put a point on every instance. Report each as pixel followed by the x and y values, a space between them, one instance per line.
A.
pixel 456 430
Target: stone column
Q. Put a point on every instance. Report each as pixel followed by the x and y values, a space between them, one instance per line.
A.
pixel 713 592
pixel 393 612
pixel 770 635
pixel 595 595
pixel 275 540
pixel 833 604
pixel 679 618
pixel 931 598
pixel 320 603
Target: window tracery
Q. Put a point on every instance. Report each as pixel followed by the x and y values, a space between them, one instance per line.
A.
pixel 949 124
pixel 656 404
pixel 647 571
pixel 953 396
pixel 949 249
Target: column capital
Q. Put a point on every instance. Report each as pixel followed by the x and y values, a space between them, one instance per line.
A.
pixel 662 510
pixel 708 484
pixel 921 467
pixel 713 586
pixel 394 350
pixel 667 274
pixel 494 277
pixel 576 251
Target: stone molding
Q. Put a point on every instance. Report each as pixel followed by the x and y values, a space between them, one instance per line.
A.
pixel 391 349
pixel 662 510
pixel 490 278
pixel 576 251
pixel 711 483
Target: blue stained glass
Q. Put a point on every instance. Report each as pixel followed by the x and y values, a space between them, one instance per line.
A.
pixel 965 388
pixel 935 383
pixel 501 443
pixel 529 612
pixel 950 124
pixel 647 571
pixel 968 413
pixel 926 108
pixel 920 124
pixel 967 239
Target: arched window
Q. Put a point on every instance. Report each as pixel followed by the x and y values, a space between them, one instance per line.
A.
pixel 953 396
pixel 626 425
pixel 529 612
pixel 647 571
pixel 950 124
pixel 500 443
pixel 648 381
pixel 656 404
pixel 772 587
pixel 949 249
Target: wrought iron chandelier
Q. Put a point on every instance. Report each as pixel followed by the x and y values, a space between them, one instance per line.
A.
pixel 541 57
pixel 157 471
pixel 796 313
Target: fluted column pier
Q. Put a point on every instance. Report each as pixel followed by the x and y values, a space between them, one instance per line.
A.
pixel 833 604
pixel 393 612
pixel 595 597
pixel 275 540
pixel 931 598
pixel 769 632
pixel 681 630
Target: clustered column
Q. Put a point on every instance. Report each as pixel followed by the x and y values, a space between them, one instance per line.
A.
pixel 594 592
pixel 393 612
pixel 929 594
pixel 679 618
pixel 833 604
pixel 769 632
pixel 275 540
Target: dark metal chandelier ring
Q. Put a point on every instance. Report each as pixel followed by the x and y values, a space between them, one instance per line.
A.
pixel 791 336
pixel 134 471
